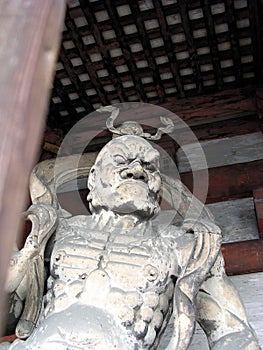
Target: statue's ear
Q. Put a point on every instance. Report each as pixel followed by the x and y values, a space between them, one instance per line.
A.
pixel 91 178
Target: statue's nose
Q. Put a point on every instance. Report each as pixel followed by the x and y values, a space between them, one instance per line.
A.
pixel 135 171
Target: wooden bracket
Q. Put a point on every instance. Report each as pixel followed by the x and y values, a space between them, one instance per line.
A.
pixel 247 256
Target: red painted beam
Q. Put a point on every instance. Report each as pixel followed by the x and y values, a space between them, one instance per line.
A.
pixel 243 257
pixel 231 181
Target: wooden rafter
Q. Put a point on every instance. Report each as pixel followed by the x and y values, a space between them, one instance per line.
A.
pixel 183 8
pixel 256 21
pixel 148 52
pixel 75 81
pixel 74 34
pixel 126 49
pixel 212 43
pixel 169 47
pixel 231 20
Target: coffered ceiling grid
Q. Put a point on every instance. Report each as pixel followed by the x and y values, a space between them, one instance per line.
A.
pixel 152 51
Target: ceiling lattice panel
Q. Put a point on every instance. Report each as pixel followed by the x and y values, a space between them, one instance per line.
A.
pixel 152 51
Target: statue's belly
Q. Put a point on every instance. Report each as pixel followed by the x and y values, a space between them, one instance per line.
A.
pixel 79 327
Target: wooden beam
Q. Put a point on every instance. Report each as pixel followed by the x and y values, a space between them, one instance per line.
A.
pixel 247 256
pixel 243 257
pixel 30 32
pixel 231 127
pixel 194 111
pixel 214 107
pixel 231 181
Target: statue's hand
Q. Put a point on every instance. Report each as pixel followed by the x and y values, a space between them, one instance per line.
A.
pixel 31 246
pixel 44 220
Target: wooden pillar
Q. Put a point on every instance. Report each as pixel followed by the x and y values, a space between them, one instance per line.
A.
pixel 29 42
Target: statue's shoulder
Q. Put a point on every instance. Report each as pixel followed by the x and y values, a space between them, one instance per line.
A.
pixel 167 225
pixel 172 232
pixel 69 224
pixel 80 221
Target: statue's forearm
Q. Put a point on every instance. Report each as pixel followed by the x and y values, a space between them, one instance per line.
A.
pixel 243 340
pixel 221 313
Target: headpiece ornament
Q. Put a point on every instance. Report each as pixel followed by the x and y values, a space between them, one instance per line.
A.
pixel 134 128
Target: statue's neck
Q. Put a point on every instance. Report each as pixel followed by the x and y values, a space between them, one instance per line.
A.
pixel 120 224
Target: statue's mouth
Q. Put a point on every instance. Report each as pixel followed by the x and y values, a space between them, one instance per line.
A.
pixel 139 185
pixel 135 182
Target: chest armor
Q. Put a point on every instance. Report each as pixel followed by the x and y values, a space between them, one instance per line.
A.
pixel 139 263
pixel 129 277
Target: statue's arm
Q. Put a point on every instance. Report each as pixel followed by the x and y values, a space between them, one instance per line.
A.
pixel 17 282
pixel 25 280
pixel 44 219
pixel 221 313
pixel 19 264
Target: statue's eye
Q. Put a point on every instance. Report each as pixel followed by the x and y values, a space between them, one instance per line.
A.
pixel 120 160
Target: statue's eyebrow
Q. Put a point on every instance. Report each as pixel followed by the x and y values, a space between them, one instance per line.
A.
pixel 152 156
pixel 119 149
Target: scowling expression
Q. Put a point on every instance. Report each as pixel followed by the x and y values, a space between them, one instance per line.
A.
pixel 125 178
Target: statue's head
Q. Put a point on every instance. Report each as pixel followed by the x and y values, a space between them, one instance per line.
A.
pixel 125 178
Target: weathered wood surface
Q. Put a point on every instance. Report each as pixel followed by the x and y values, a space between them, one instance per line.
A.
pixel 250 288
pixel 221 152
pixel 29 38
pixel 237 219
pixel 193 110
pixel 210 131
pixel 225 128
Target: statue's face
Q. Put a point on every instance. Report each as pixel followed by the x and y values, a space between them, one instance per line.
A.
pixel 125 178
